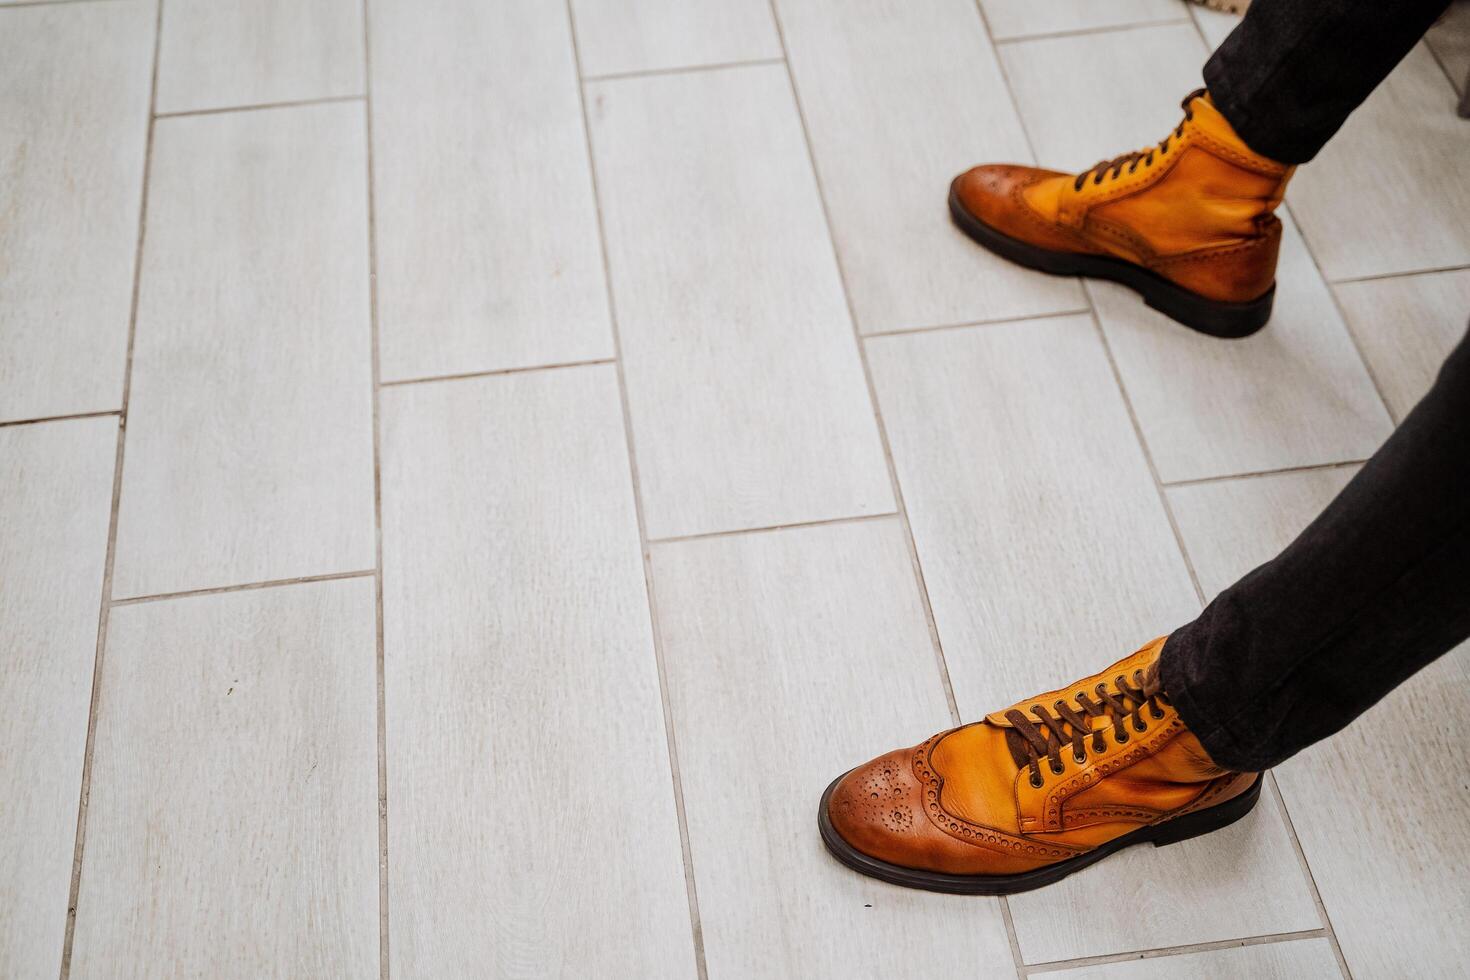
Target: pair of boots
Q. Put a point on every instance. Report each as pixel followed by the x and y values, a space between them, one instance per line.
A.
pixel 1056 782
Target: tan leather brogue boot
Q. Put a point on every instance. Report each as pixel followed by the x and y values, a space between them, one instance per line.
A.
pixel 1186 223
pixel 1033 793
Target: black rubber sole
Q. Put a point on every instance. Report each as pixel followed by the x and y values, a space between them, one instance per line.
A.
pixel 1208 316
pixel 1159 835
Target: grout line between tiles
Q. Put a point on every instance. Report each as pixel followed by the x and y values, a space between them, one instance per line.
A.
pixel 897 489
pixel 380 662
pixel 242 587
pixel 999 321
pixel 109 563
pixel 494 373
pixel 706 535
pixel 61 418
pixel 1226 477
pixel 258 106
pixel 614 76
pixel 670 734
pixel 1374 277
pixel 1087 31
pixel 1051 966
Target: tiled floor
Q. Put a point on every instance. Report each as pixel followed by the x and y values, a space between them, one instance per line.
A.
pixel 470 473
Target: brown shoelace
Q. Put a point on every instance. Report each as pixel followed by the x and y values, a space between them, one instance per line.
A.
pixel 1112 169
pixel 1045 735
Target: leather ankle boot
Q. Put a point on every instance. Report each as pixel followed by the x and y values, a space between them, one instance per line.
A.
pixel 1186 223
pixel 1035 792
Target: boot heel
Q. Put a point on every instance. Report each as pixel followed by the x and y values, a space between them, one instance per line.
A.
pixel 1207 821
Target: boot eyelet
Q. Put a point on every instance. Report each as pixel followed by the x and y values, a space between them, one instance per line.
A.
pixel 1057 768
pixel 1158 713
pixel 1079 758
pixel 1036 780
pixel 1139 726
pixel 1122 737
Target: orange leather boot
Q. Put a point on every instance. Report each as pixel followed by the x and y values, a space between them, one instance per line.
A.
pixel 1186 223
pixel 1035 792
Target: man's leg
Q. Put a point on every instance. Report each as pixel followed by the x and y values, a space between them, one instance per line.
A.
pixel 1376 588
pixel 1289 76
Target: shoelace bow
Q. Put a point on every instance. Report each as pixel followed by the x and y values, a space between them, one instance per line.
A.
pixel 1114 168
pixel 1047 734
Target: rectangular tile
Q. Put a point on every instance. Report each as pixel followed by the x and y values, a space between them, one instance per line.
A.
pixel 488 256
pixel 1400 161
pixel 55 505
pixel 232 829
pixel 1048 555
pixel 1405 328
pixel 648 35
pixel 1018 18
pixel 1356 787
pixel 531 822
pixel 1303 959
pixel 76 83
pixel 1045 547
pixel 749 406
pixel 791 656
pixel 1450 41
pixel 1295 394
pixel 215 53
pixel 900 98
pixel 249 452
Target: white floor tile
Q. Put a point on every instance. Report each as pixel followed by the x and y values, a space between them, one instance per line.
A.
pixel 1405 328
pixel 532 828
pixel 1303 959
pixel 1045 548
pixel 898 99
pixel 1019 18
pixel 616 36
pixel 1295 394
pixel 232 827
pixel 249 452
pixel 1357 787
pixel 76 81
pixel 55 505
pixel 793 655
pixel 1390 192
pixel 748 401
pixel 215 53
pixel 486 229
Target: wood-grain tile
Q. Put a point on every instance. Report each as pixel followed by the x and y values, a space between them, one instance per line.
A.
pixel 1048 555
pixel 1405 327
pixel 55 505
pixel 1389 193
pixel 1450 41
pixel 791 656
pixel 249 453
pixel 749 406
pixel 1019 18
pixel 1302 959
pixel 1045 548
pixel 899 98
pixel 76 81
pixel 532 828
pixel 488 255
pixel 1362 813
pixel 232 828
pixel 615 36
pixel 1295 394
pixel 215 53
